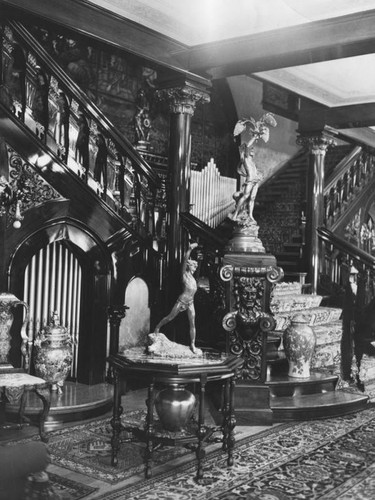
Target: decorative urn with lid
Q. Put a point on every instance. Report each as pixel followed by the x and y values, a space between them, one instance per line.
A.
pixel 299 346
pixel 53 353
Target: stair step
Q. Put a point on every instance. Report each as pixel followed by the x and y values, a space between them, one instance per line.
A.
pixel 288 265
pixel 309 406
pixel 304 303
pixel 328 333
pixel 289 257
pixel 284 386
pixel 292 247
pixel 316 315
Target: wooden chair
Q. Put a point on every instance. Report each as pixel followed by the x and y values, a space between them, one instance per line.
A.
pixel 16 382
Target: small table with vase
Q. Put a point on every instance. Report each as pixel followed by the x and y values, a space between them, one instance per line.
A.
pixel 166 379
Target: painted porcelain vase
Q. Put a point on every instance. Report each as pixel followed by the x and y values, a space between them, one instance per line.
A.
pixel 174 406
pixel 7 303
pixel 299 346
pixel 53 353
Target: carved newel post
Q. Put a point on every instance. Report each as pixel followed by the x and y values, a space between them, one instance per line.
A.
pixel 249 275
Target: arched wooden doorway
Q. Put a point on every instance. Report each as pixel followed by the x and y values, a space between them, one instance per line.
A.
pixel 63 267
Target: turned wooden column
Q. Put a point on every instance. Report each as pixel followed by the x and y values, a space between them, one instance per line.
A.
pixel 318 145
pixel 3 217
pixel 182 98
pixel 115 314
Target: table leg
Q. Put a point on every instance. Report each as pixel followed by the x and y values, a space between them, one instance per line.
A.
pixel 116 418
pixel 200 452
pixel 231 422
pixel 21 410
pixel 45 395
pixel 225 412
pixel 150 429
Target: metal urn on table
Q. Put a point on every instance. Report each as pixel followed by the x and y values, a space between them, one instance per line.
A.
pixel 174 406
pixel 53 353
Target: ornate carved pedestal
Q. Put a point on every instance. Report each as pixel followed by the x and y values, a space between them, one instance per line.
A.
pixel 249 279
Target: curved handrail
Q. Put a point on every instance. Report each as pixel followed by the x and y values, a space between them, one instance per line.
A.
pixel 342 167
pixel 203 231
pixel 72 88
pixel 351 250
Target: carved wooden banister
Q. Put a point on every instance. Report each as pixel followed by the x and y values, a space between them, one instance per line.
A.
pixel 349 181
pixel 339 258
pixel 203 232
pixel 85 140
pixel 70 86
pixel 351 273
pixel 359 257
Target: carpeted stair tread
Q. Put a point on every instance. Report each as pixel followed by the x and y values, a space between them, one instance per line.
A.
pixel 315 315
pixel 293 303
pixel 284 289
pixel 328 333
pixel 367 371
pixel 328 346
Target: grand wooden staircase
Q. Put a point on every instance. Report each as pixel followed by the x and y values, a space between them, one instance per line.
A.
pixel 319 396
pixel 63 189
pixel 280 209
pixel 279 214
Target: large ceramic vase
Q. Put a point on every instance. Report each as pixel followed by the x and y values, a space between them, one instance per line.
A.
pixel 7 303
pixel 174 406
pixel 53 353
pixel 299 346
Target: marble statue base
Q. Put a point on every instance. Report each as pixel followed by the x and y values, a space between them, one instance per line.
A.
pixel 160 345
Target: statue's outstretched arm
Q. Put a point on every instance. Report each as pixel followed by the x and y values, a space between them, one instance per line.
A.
pixel 187 256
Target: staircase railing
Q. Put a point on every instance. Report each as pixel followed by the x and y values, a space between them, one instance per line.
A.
pixel 349 180
pixel 338 254
pixel 39 93
pixel 350 271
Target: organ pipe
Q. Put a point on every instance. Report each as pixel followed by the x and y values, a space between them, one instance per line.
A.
pixel 53 280
pixel 211 194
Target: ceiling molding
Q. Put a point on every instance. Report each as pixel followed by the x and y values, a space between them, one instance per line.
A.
pixel 318 41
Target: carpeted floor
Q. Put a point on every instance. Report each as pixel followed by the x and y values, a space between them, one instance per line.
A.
pixel 323 459
pixel 87 449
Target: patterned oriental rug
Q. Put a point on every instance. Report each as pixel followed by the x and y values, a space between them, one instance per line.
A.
pixel 323 459
pixel 332 459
